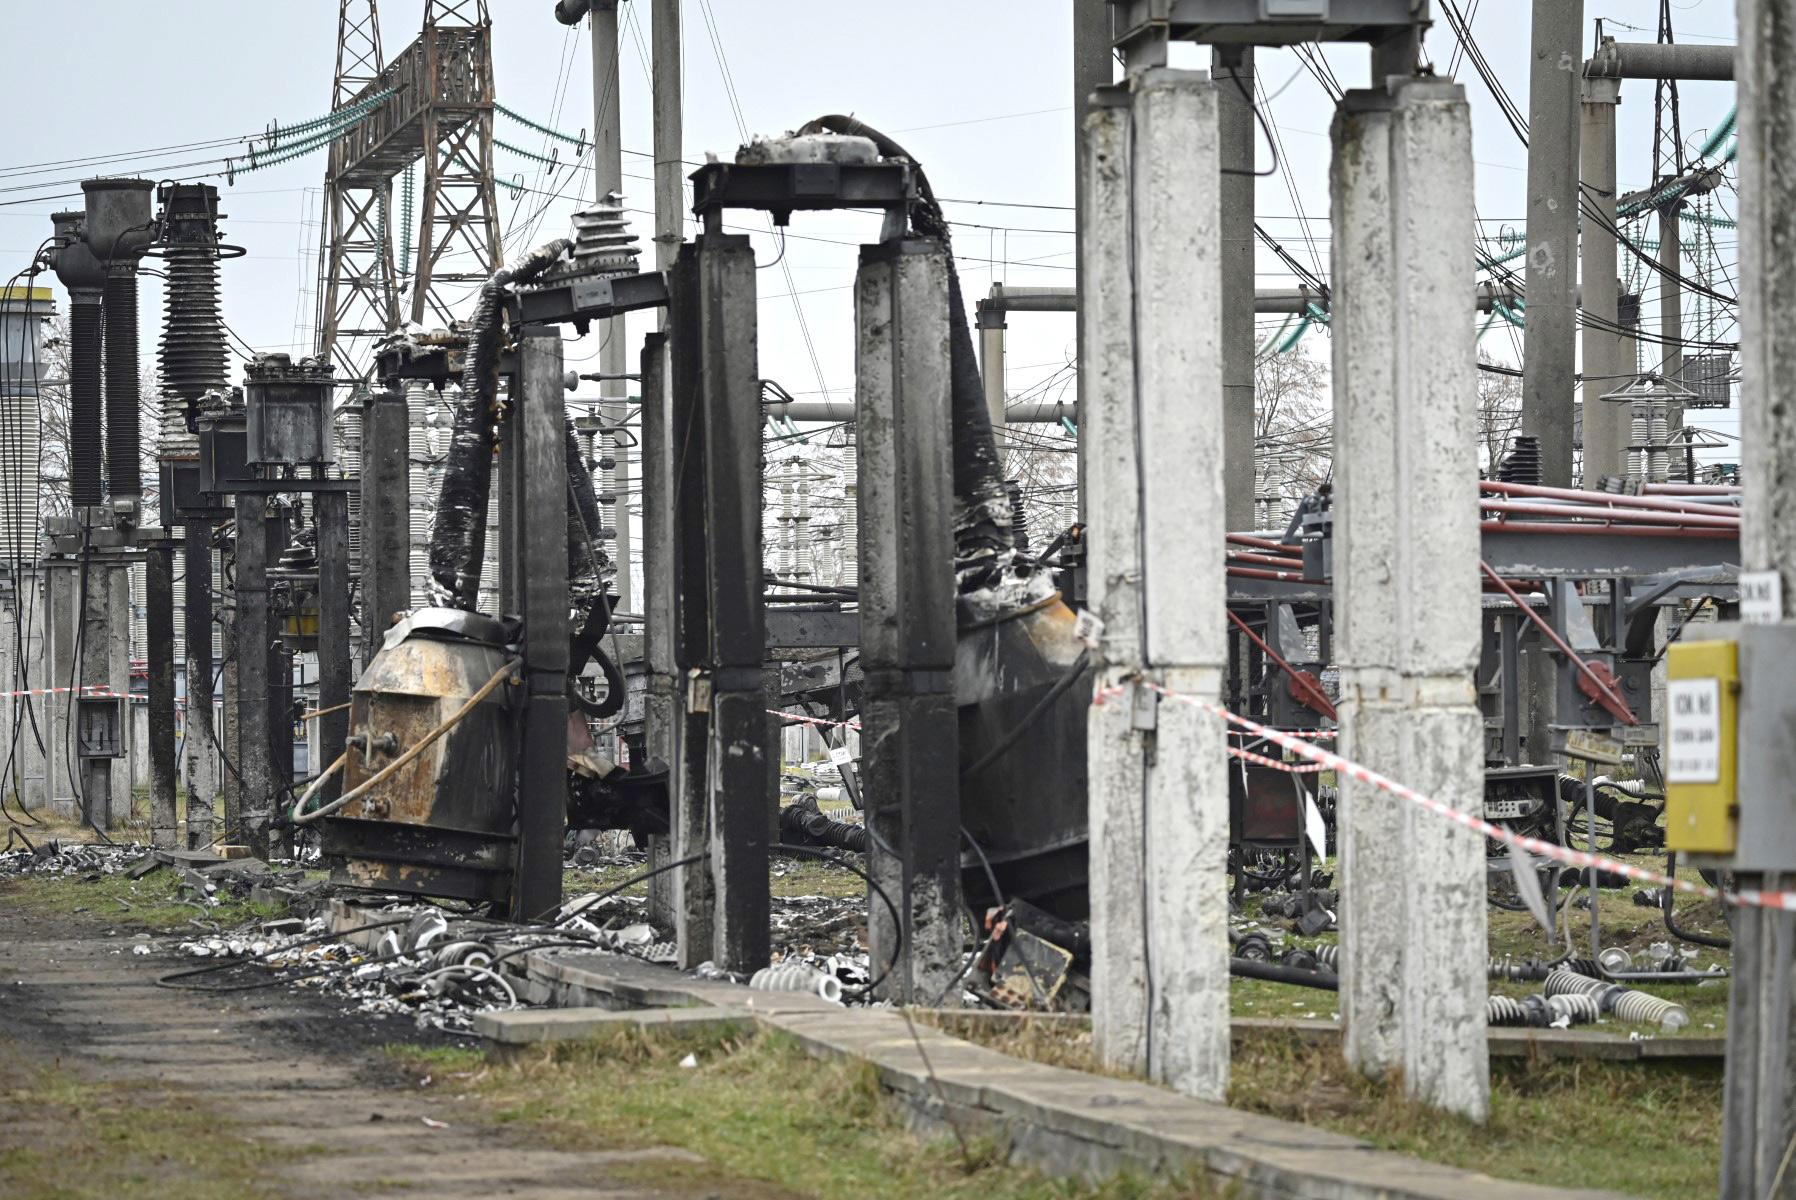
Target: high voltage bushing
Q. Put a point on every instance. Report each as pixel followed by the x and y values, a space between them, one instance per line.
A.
pixel 83 273
pixel 193 354
pixel 119 228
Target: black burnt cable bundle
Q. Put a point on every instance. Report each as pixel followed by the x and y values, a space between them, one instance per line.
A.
pixel 985 549
pixel 458 538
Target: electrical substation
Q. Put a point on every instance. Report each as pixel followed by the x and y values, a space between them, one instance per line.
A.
pixel 512 660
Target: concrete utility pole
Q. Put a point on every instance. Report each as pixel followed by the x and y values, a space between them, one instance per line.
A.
pixel 1759 1114
pixel 608 173
pixel 1406 572
pixel 1606 354
pixel 1151 267
pixel 1548 361
pixel 661 716
pixel 1234 75
pixel 910 738
pixel 1094 66
pixel 670 170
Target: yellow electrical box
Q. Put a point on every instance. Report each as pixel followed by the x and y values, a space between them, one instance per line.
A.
pixel 1702 708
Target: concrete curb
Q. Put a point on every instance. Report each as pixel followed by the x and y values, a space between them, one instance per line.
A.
pixel 1056 1120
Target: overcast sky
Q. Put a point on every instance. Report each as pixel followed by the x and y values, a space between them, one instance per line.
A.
pixel 979 92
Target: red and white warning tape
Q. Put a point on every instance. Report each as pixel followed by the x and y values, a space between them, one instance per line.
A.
pixel 90 689
pixel 801 719
pixel 1275 763
pixel 1750 897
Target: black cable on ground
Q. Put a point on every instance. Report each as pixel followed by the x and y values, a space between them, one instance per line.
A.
pixel 1250 968
pixel 897 923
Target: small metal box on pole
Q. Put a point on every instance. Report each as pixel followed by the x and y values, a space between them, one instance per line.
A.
pixel 100 727
pixel 288 410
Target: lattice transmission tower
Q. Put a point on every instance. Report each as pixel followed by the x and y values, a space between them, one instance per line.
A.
pixel 432 103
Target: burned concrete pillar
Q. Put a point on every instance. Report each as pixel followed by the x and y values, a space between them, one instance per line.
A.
pixel 1407 587
pixel 909 725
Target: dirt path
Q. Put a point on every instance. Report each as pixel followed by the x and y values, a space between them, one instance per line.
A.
pixel 272 1070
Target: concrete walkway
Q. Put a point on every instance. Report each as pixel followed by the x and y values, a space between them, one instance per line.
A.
pixel 288 1069
pixel 1055 1120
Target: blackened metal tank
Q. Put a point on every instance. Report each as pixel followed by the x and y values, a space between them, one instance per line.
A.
pixel 444 824
pixel 1027 810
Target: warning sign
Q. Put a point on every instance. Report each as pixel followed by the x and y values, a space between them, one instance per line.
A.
pixel 1693 753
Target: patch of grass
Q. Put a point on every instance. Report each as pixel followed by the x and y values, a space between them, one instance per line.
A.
pixel 756 1106
pixel 64 1137
pixel 148 903
pixel 1052 1039
pixel 1649 1130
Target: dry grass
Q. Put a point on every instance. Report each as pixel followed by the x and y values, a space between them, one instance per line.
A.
pixel 66 1137
pixel 756 1106
pixel 1648 1129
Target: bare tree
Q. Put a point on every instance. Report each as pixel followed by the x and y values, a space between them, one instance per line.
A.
pixel 1499 413
pixel 1293 432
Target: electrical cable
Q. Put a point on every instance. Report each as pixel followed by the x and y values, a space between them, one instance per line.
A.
pixel 1011 735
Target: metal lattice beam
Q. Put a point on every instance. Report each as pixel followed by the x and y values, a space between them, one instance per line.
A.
pixel 357 302
pixel 438 108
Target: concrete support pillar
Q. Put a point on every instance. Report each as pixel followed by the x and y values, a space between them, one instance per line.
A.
pixel 34 733
pixel 661 714
pixel 662 711
pixel 910 769
pixel 695 896
pixel 1115 740
pixel 331 511
pixel 728 394
pixel 93 601
pixel 536 544
pixel 1606 356
pixel 230 742
pixel 254 635
pixel 1159 797
pixel 1234 77
pixel 1759 1113
pixel 1548 343
pixel 118 682
pixel 608 172
pixel 1094 66
pixel 991 367
pixel 62 670
pixel 721 647
pixel 159 617
pixel 1406 569
pixel 199 737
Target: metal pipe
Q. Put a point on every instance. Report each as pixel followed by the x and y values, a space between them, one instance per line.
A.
pixel 1298 301
pixel 1605 530
pixel 1692 489
pixel 1267 560
pixel 1248 539
pixel 1665 504
pixel 1634 516
pixel 1660 60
